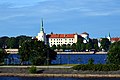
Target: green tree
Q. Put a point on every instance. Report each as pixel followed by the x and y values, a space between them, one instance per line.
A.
pixel 12 43
pixel 105 43
pixel 58 47
pixel 3 42
pixel 63 47
pixel 36 52
pixel 114 53
pixel 68 46
pixel 53 47
pixel 22 38
pixel 78 44
pixel 96 47
pixel 2 55
pixel 83 47
pixel 73 47
pixel 88 46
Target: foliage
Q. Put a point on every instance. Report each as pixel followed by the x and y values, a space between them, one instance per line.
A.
pixel 105 43
pixel 114 53
pixel 2 55
pixel 63 47
pixel 97 67
pixel 53 47
pixel 32 69
pixel 88 46
pixel 36 52
pixel 78 44
pixel 91 61
pixel 12 42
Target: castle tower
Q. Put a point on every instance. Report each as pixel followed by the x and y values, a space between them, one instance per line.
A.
pixel 42 35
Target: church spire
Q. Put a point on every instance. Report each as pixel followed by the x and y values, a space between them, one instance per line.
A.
pixel 42 29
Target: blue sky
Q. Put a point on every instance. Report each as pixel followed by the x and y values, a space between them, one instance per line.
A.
pixel 23 17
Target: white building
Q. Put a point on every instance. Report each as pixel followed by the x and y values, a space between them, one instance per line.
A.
pixel 60 39
pixel 42 35
pixel 85 36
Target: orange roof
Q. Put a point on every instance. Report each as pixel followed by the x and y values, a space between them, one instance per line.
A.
pixel 60 35
pixel 115 39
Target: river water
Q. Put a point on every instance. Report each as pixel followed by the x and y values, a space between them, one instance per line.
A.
pixel 57 78
pixel 66 59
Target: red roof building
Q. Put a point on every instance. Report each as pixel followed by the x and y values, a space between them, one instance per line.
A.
pixel 115 39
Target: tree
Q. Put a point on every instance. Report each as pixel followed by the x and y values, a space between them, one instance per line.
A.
pixel 114 53
pixel 78 44
pixel 96 47
pixel 12 43
pixel 22 38
pixel 36 52
pixel 2 55
pixel 3 42
pixel 105 43
pixel 58 47
pixel 68 46
pixel 88 46
pixel 73 47
pixel 53 47
pixel 83 48
pixel 63 47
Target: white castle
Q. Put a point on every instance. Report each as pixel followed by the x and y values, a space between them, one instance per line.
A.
pixel 60 39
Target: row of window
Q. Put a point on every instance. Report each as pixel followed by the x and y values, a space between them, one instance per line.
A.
pixel 61 39
pixel 60 42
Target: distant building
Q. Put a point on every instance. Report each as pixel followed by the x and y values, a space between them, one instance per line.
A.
pixel 60 39
pixel 85 37
pixel 115 39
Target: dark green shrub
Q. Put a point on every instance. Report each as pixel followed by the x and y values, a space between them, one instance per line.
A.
pixel 33 69
pixel 97 67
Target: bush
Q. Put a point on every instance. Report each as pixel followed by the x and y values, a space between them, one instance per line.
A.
pixel 97 67
pixel 33 69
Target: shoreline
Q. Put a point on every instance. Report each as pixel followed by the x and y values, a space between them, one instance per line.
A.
pixel 62 75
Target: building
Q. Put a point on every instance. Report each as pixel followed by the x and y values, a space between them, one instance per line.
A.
pixel 60 39
pixel 115 39
pixel 42 35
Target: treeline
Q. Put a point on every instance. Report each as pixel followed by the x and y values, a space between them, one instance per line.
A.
pixel 13 42
pixel 92 45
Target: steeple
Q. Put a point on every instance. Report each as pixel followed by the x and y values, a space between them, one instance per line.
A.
pixel 42 29
pixel 109 37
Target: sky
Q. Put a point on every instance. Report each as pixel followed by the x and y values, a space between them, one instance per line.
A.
pixel 96 17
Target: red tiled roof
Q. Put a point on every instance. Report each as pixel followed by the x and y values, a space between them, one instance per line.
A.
pixel 115 39
pixel 60 35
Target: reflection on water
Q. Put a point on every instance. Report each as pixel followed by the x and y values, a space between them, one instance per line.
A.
pixel 46 78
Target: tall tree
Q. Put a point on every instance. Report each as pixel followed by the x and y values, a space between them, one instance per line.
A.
pixel 78 44
pixel 114 53
pixel 36 52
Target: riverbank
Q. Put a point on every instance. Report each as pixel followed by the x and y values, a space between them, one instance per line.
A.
pixel 56 72
pixel 62 75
